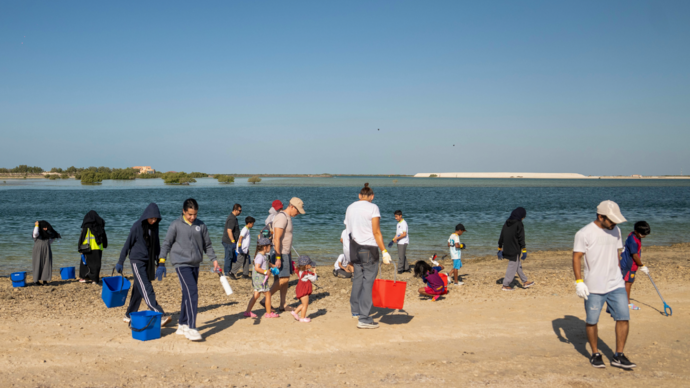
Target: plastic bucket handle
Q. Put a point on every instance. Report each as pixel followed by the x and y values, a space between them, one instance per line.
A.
pixel 148 325
pixel 122 275
pixel 395 272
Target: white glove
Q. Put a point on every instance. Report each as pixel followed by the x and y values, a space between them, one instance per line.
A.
pixel 435 263
pixel 644 269
pixel 581 290
pixel 386 258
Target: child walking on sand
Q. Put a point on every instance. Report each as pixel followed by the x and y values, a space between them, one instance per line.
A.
pixel 304 288
pixel 434 283
pixel 455 246
pixel 631 257
pixel 243 259
pixel 260 274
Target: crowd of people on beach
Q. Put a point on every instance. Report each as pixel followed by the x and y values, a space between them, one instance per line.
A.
pixel 610 266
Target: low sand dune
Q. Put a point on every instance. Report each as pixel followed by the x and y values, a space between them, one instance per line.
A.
pixel 63 336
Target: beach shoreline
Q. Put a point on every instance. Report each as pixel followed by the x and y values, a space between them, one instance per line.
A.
pixel 62 335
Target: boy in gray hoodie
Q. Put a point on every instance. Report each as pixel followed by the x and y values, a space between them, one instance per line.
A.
pixel 187 240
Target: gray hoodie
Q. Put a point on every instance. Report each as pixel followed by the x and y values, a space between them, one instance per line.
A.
pixel 187 243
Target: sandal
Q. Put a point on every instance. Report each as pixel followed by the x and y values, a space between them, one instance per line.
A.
pixel 294 314
pixel 249 314
pixel 271 315
pixel 286 308
pixel 305 320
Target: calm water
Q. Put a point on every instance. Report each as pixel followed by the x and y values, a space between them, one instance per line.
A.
pixel 556 209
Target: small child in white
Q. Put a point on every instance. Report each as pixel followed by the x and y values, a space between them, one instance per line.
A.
pixel 244 260
pixel 261 270
pixel 304 287
pixel 455 246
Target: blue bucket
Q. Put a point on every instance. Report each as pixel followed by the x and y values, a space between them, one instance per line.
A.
pixel 18 279
pixel 67 273
pixel 115 289
pixel 145 325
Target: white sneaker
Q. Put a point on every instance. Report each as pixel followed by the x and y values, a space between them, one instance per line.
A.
pixel 181 329
pixel 460 284
pixel 126 319
pixel 192 335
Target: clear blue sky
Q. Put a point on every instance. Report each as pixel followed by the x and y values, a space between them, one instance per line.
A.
pixel 303 87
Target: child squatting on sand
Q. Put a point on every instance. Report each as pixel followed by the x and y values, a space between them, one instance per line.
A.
pixel 260 275
pixel 434 283
pixel 304 287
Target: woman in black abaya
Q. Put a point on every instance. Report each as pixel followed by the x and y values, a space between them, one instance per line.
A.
pixel 92 242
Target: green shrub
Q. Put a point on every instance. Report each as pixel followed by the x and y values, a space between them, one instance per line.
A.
pixel 90 177
pixel 225 178
pixel 198 175
pixel 177 178
pixel 53 177
pixel 433 176
pixel 255 179
pixel 64 176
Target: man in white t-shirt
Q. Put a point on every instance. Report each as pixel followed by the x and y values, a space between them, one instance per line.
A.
pixel 599 244
pixel 402 238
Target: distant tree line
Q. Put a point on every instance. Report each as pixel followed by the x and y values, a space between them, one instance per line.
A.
pixel 22 169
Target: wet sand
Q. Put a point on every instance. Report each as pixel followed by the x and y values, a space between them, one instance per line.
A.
pixel 62 335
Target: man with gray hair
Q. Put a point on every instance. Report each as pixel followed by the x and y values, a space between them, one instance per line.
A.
pixel 600 244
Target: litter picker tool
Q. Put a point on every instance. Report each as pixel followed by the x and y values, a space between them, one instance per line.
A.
pixel 667 309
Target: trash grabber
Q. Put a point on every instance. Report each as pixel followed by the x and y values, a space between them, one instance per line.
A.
pixel 667 309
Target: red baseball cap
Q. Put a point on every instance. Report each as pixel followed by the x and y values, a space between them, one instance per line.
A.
pixel 277 205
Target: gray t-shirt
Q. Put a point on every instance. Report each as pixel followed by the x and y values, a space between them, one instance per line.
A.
pixel 231 223
pixel 284 221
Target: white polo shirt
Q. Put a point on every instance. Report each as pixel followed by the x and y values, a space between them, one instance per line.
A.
pixel 400 228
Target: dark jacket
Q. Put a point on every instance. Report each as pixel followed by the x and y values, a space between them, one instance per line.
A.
pixel 232 224
pixel 143 243
pixel 512 239
pixel 94 222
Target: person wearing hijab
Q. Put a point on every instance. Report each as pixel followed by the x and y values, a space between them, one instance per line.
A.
pixel 42 255
pixel 143 247
pixel 92 242
pixel 511 246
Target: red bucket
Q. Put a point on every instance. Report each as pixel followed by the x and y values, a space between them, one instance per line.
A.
pixel 388 294
pixel 445 279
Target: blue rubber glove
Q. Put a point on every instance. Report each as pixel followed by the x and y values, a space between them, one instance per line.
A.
pixel 118 268
pixel 500 254
pixel 160 272
pixel 463 246
pixel 390 244
pixel 275 271
pixel 524 255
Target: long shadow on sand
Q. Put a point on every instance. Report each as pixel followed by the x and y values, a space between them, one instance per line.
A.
pixel 219 324
pixel 574 330
pixel 388 317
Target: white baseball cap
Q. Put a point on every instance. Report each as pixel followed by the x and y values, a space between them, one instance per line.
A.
pixel 611 210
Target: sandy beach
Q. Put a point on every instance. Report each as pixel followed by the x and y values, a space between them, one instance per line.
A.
pixel 63 336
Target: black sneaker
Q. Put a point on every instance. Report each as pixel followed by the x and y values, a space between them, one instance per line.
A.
pixel 597 361
pixel 622 362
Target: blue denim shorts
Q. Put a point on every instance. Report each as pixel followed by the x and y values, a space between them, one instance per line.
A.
pixel 616 302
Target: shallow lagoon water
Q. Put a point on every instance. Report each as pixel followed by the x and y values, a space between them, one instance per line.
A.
pixel 556 209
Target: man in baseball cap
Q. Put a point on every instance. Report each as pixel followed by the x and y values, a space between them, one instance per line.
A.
pixel 600 244
pixel 298 204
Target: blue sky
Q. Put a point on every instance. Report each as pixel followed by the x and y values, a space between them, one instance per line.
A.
pixel 303 87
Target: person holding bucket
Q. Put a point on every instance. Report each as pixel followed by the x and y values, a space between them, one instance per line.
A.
pixel 187 240
pixel 363 223
pixel 143 247
pixel 42 254
pixel 91 244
